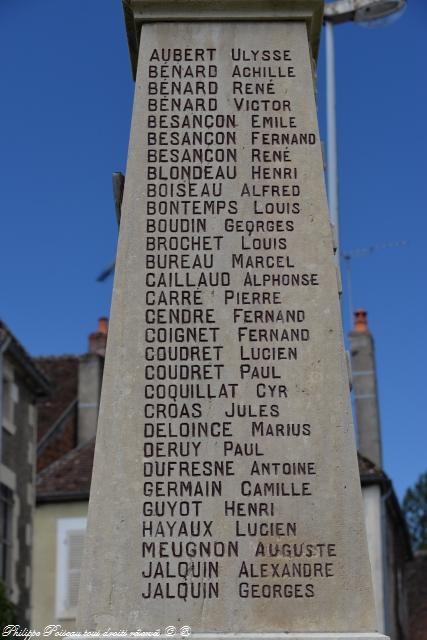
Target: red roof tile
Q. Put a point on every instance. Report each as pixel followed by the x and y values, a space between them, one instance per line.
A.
pixel 62 371
pixel 369 469
pixel 69 477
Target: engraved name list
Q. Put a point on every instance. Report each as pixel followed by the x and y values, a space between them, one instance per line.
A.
pixel 226 329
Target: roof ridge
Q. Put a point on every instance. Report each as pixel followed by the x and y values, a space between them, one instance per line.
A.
pixel 371 464
pixel 19 353
pixel 60 356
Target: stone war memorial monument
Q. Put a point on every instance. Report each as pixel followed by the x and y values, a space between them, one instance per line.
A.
pixel 225 495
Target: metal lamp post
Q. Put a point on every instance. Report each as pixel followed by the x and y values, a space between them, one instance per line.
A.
pixel 338 12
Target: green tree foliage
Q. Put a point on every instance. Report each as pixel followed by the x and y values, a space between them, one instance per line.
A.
pixel 7 610
pixel 415 509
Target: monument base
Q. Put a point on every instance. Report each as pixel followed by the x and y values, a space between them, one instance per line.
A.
pixel 288 636
pixel 233 636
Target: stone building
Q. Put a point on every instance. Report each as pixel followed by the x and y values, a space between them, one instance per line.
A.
pixel 388 538
pixel 65 448
pixel 389 550
pixel 22 384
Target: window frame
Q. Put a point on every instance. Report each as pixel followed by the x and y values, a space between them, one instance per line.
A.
pixel 63 526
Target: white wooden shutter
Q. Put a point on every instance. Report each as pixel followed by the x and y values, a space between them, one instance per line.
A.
pixel 70 541
pixel 75 542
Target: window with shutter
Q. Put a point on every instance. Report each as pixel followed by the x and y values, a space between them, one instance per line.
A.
pixel 8 404
pixel 70 540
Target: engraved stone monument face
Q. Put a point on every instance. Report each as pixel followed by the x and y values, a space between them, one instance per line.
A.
pixel 225 494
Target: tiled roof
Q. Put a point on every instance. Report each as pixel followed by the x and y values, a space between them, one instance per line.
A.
pixel 368 470
pixel 34 376
pixel 417 596
pixel 63 373
pixel 69 477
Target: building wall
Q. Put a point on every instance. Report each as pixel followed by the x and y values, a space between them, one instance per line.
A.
pixel 45 570
pixel 395 576
pixel 17 472
pixel 372 505
pixel 387 553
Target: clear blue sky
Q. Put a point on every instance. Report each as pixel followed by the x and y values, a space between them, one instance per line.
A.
pixel 64 125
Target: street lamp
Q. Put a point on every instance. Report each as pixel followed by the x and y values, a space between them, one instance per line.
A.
pixel 361 10
pixel 366 12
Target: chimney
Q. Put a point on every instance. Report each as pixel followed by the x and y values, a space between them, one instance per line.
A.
pixel 365 390
pixel 91 367
pixel 98 339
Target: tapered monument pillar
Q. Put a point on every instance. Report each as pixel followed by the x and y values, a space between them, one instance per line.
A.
pixel 226 495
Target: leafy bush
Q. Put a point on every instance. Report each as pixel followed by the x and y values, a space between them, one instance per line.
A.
pixel 7 610
pixel 415 509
